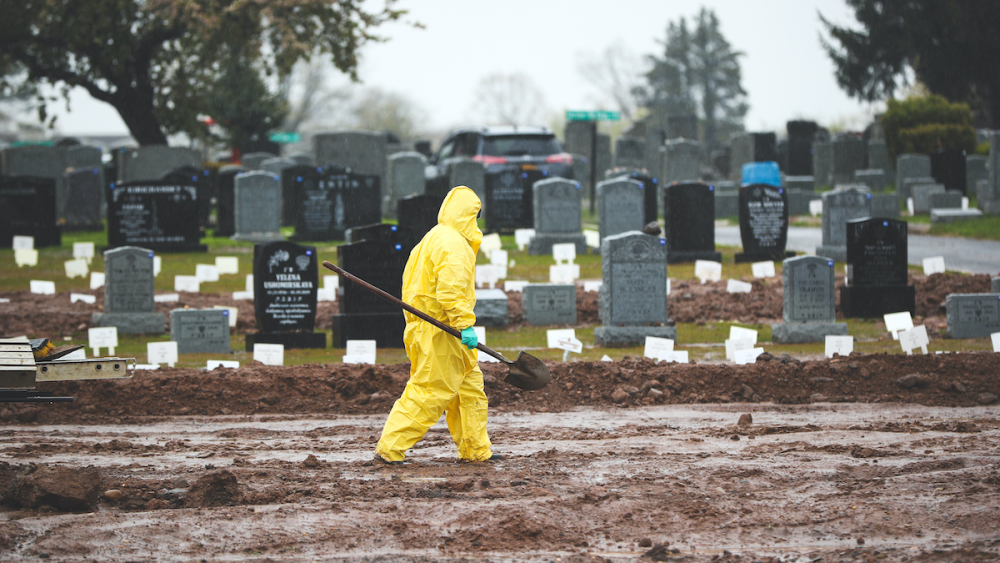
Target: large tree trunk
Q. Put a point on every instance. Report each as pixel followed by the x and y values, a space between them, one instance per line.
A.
pixel 136 109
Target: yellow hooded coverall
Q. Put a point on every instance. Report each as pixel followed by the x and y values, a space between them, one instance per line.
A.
pixel 439 280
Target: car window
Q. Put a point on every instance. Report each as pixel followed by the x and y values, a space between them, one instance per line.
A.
pixel 466 145
pixel 521 145
pixel 447 150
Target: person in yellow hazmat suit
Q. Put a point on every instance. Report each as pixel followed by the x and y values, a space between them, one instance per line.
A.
pixel 439 279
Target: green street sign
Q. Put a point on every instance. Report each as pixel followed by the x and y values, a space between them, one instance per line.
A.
pixel 286 137
pixel 33 144
pixel 597 115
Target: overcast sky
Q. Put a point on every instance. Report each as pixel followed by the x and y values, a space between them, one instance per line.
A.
pixel 785 72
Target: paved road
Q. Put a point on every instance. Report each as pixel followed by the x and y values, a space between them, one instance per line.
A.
pixel 966 255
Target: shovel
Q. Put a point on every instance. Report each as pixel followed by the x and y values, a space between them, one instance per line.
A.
pixel 526 372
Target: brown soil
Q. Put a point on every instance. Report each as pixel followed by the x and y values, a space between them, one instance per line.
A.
pixel 54 316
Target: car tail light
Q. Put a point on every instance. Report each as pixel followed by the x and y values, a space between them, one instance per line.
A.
pixel 561 158
pixel 487 159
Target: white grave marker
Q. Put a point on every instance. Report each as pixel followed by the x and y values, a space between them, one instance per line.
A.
pixel 241 295
pixel 564 252
pixel 360 352
pixel 206 272
pixel 249 284
pixel 591 285
pixel 934 265
pixel 965 203
pixel 842 345
pixel 84 250
pixel 227 265
pixel 26 257
pixel 606 358
pixel 76 268
pixel 186 283
pixel 737 286
pixel 74 297
pixel 706 270
pixel 43 287
pixel 681 357
pixel 480 355
pixel 157 265
pixel 487 275
pixel 23 243
pixel 995 338
pixel 490 243
pixel 166 298
pixel 658 348
pixel 915 337
pixel 269 354
pixel 747 356
pixel 896 322
pixel 514 285
pixel 330 282
pixel 233 311
pixel 162 353
pixel 499 258
pixel 322 294
pixel 96 280
pixel 592 237
pixel 562 274
pixel 522 237
pixel 212 364
pixel 735 345
pixel 103 337
pixel 816 207
pixel 909 205
pixel 763 269
pixel 740 333
pixel 564 339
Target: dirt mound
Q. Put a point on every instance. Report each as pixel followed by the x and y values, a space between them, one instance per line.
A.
pixel 932 290
pixel 219 488
pixel 947 379
pixel 62 488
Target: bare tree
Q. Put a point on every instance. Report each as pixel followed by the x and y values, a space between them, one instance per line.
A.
pixel 375 109
pixel 509 99
pixel 314 100
pixel 615 73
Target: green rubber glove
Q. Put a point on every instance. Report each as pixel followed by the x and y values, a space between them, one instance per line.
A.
pixel 469 338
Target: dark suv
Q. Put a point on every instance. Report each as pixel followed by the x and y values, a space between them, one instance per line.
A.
pixel 533 149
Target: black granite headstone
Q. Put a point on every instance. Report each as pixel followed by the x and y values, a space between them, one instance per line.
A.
pixel 84 197
pixel 650 187
pixel 364 316
pixel 418 213
pixel 948 168
pixel 763 223
pixel 225 210
pixel 393 234
pixel 509 203
pixel 294 180
pixel 876 269
pixel 28 208
pixel 285 282
pixel 689 213
pixel 199 178
pixel 261 145
pixel 156 214
pixel 339 200
pixel 800 139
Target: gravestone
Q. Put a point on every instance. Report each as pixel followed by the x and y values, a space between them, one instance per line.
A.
pixel 296 180
pixel 802 183
pixel 630 152
pixel 363 152
pixel 225 218
pixel 405 177
pixel 260 145
pixel 763 223
pixel 922 196
pixel 632 301
pixel 973 315
pixel 689 214
pixel 276 164
pixel 885 205
pixel 751 147
pixel 875 178
pixel 878 159
pixel 84 157
pixel 602 155
pixel 946 200
pixel 682 161
pixel 557 208
pixel 800 140
pixel 975 170
pixel 840 206
pixel 255 161
pixel 547 304
pixel 84 197
pixel 28 208
pixel 809 313
pixel 393 234
pixel 876 269
pixel 151 162
pixel 509 198
pixel 910 166
pixel 650 188
pixel 199 178
pixel 155 214
pixel 988 198
pixel 200 331
pixel 418 213
pixel 469 173
pixel 620 206
pixel 952 215
pixel 798 201
pixel 285 277
pixel 727 199
pixel 848 152
pixel 995 285
pixel 363 315
pixel 948 168
pixel 338 201
pixel 301 159
pixel 822 164
pixel 492 308
pixel 257 207
pixel 39 162
pixel 128 293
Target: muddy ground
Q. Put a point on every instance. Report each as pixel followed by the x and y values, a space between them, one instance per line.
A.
pixel 862 458
pixel 51 316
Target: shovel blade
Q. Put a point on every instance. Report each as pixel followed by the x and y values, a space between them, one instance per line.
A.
pixel 528 372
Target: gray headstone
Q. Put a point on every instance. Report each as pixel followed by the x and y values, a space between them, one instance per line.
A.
pixel 301 158
pixel 823 164
pixel 874 178
pixel 275 165
pixel 682 161
pixel 128 292
pixel 798 201
pixel 995 285
pixel 152 162
pixel 727 204
pixel 84 196
pixel 809 313
pixel 556 206
pixel 257 207
pixel 364 152
pixel 885 205
pixel 839 207
pixel 40 161
pixel 549 304
pixel 602 158
pixel 952 215
pixel 255 160
pixel 492 308
pixel 973 315
pixel 848 155
pixel 83 157
pixel 405 177
pixel 471 174
pixel 200 331
pixel 910 166
pixel 807 183
pixel 630 152
pixel 922 196
pixel 947 200
pixel 989 202
pixel 878 159
pixel 620 206
pixel 741 153
pixel 975 170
